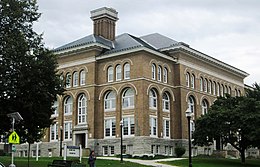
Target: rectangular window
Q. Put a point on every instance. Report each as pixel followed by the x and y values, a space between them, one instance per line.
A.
pixel 157 149
pixel 110 127
pixel 124 149
pixel 105 150
pixel 54 132
pixel 129 126
pixel 68 130
pixel 152 149
pixel 166 128
pixel 153 126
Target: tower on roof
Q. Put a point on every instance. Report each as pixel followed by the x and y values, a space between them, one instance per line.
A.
pixel 104 20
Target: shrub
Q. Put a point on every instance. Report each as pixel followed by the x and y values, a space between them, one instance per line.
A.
pixel 179 151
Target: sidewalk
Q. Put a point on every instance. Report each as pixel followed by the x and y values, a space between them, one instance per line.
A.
pixel 145 162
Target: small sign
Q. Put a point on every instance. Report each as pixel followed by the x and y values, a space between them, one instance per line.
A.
pixel 13 148
pixel 14 138
pixel 73 151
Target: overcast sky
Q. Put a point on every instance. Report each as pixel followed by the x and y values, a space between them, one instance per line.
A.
pixel 228 30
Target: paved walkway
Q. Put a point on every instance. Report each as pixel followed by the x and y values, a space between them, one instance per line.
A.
pixel 145 162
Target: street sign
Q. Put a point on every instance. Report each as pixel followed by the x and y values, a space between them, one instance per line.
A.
pixel 14 138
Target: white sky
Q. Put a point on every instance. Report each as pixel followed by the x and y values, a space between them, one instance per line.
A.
pixel 228 30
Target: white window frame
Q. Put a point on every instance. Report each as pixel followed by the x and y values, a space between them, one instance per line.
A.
pixel 54 132
pixel 204 107
pixel 210 86
pixel 55 108
pixel 110 101
pixel 68 105
pixel 82 109
pixel 82 77
pixel 75 79
pixel 166 102
pixel 166 129
pixel 110 74
pixel 159 74
pixel 192 81
pixel 214 88
pixel 153 126
pixel 153 71
pixel 68 80
pixel 205 88
pixel 128 124
pixel 67 130
pixel 152 99
pixel 191 104
pixel 127 71
pixel 110 124
pixel 165 75
pixel 128 99
pixel 188 79
pixel 118 72
pixel 201 84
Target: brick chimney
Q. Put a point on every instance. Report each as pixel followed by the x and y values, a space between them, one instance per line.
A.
pixel 104 20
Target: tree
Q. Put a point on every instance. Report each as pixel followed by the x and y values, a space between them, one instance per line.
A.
pixel 29 82
pixel 236 120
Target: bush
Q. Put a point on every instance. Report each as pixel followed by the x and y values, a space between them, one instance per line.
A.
pixel 179 151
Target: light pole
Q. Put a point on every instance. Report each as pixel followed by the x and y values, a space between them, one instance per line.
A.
pixel 61 136
pixel 188 115
pixel 121 146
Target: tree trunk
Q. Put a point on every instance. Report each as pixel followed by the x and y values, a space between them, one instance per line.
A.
pixel 243 156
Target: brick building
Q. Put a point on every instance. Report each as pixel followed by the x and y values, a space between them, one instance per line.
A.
pixel 148 82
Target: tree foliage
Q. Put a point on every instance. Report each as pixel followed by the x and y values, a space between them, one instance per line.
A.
pixel 28 78
pixel 236 120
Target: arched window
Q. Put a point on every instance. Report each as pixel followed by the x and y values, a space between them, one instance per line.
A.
pixel 68 105
pixel 118 72
pixel 82 77
pixel 204 107
pixel 68 80
pixel 110 101
pixel 210 86
pixel 152 99
pixel 188 79
pixel 191 104
pixel 110 74
pixel 153 71
pixel 166 102
pixel 159 77
pixel 55 108
pixel 201 84
pixel 205 85
pixel 219 89
pixel 226 89
pixel 192 81
pixel 128 98
pixel 214 88
pixel 127 71
pixel 165 75
pixel 82 109
pixel 222 90
pixel 229 90
pixel 75 79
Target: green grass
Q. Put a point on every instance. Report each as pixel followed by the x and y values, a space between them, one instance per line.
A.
pixel 215 162
pixel 44 161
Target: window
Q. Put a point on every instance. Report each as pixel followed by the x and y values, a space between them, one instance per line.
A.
pixel 82 77
pixel 219 89
pixel 105 150
pixel 68 80
pixel 153 126
pixel 201 84
pixel 67 130
pixel 54 132
pixel 127 71
pixel 166 128
pixel 236 93
pixel 159 77
pixel 157 149
pixel 188 79
pixel 68 106
pixel 165 75
pixel 82 109
pixel 229 90
pixel 192 81
pixel 118 72
pixel 204 107
pixel 222 90
pixel 191 104
pixel 210 86
pixel 110 74
pixel 153 71
pixel 226 89
pixel 75 79
pixel 129 126
pixel 205 85
pixel 112 150
pixel 239 93
pixel 110 127
pixel 152 99
pixel 110 101
pixel 214 88
pixel 55 109
pixel 166 102
pixel 128 98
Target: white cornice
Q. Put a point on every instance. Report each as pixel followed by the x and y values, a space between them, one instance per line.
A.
pixel 76 63
pixel 207 58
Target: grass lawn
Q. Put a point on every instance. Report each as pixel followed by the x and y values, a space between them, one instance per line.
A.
pixel 215 162
pixel 44 161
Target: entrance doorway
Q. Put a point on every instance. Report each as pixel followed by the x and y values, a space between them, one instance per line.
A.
pixel 81 139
